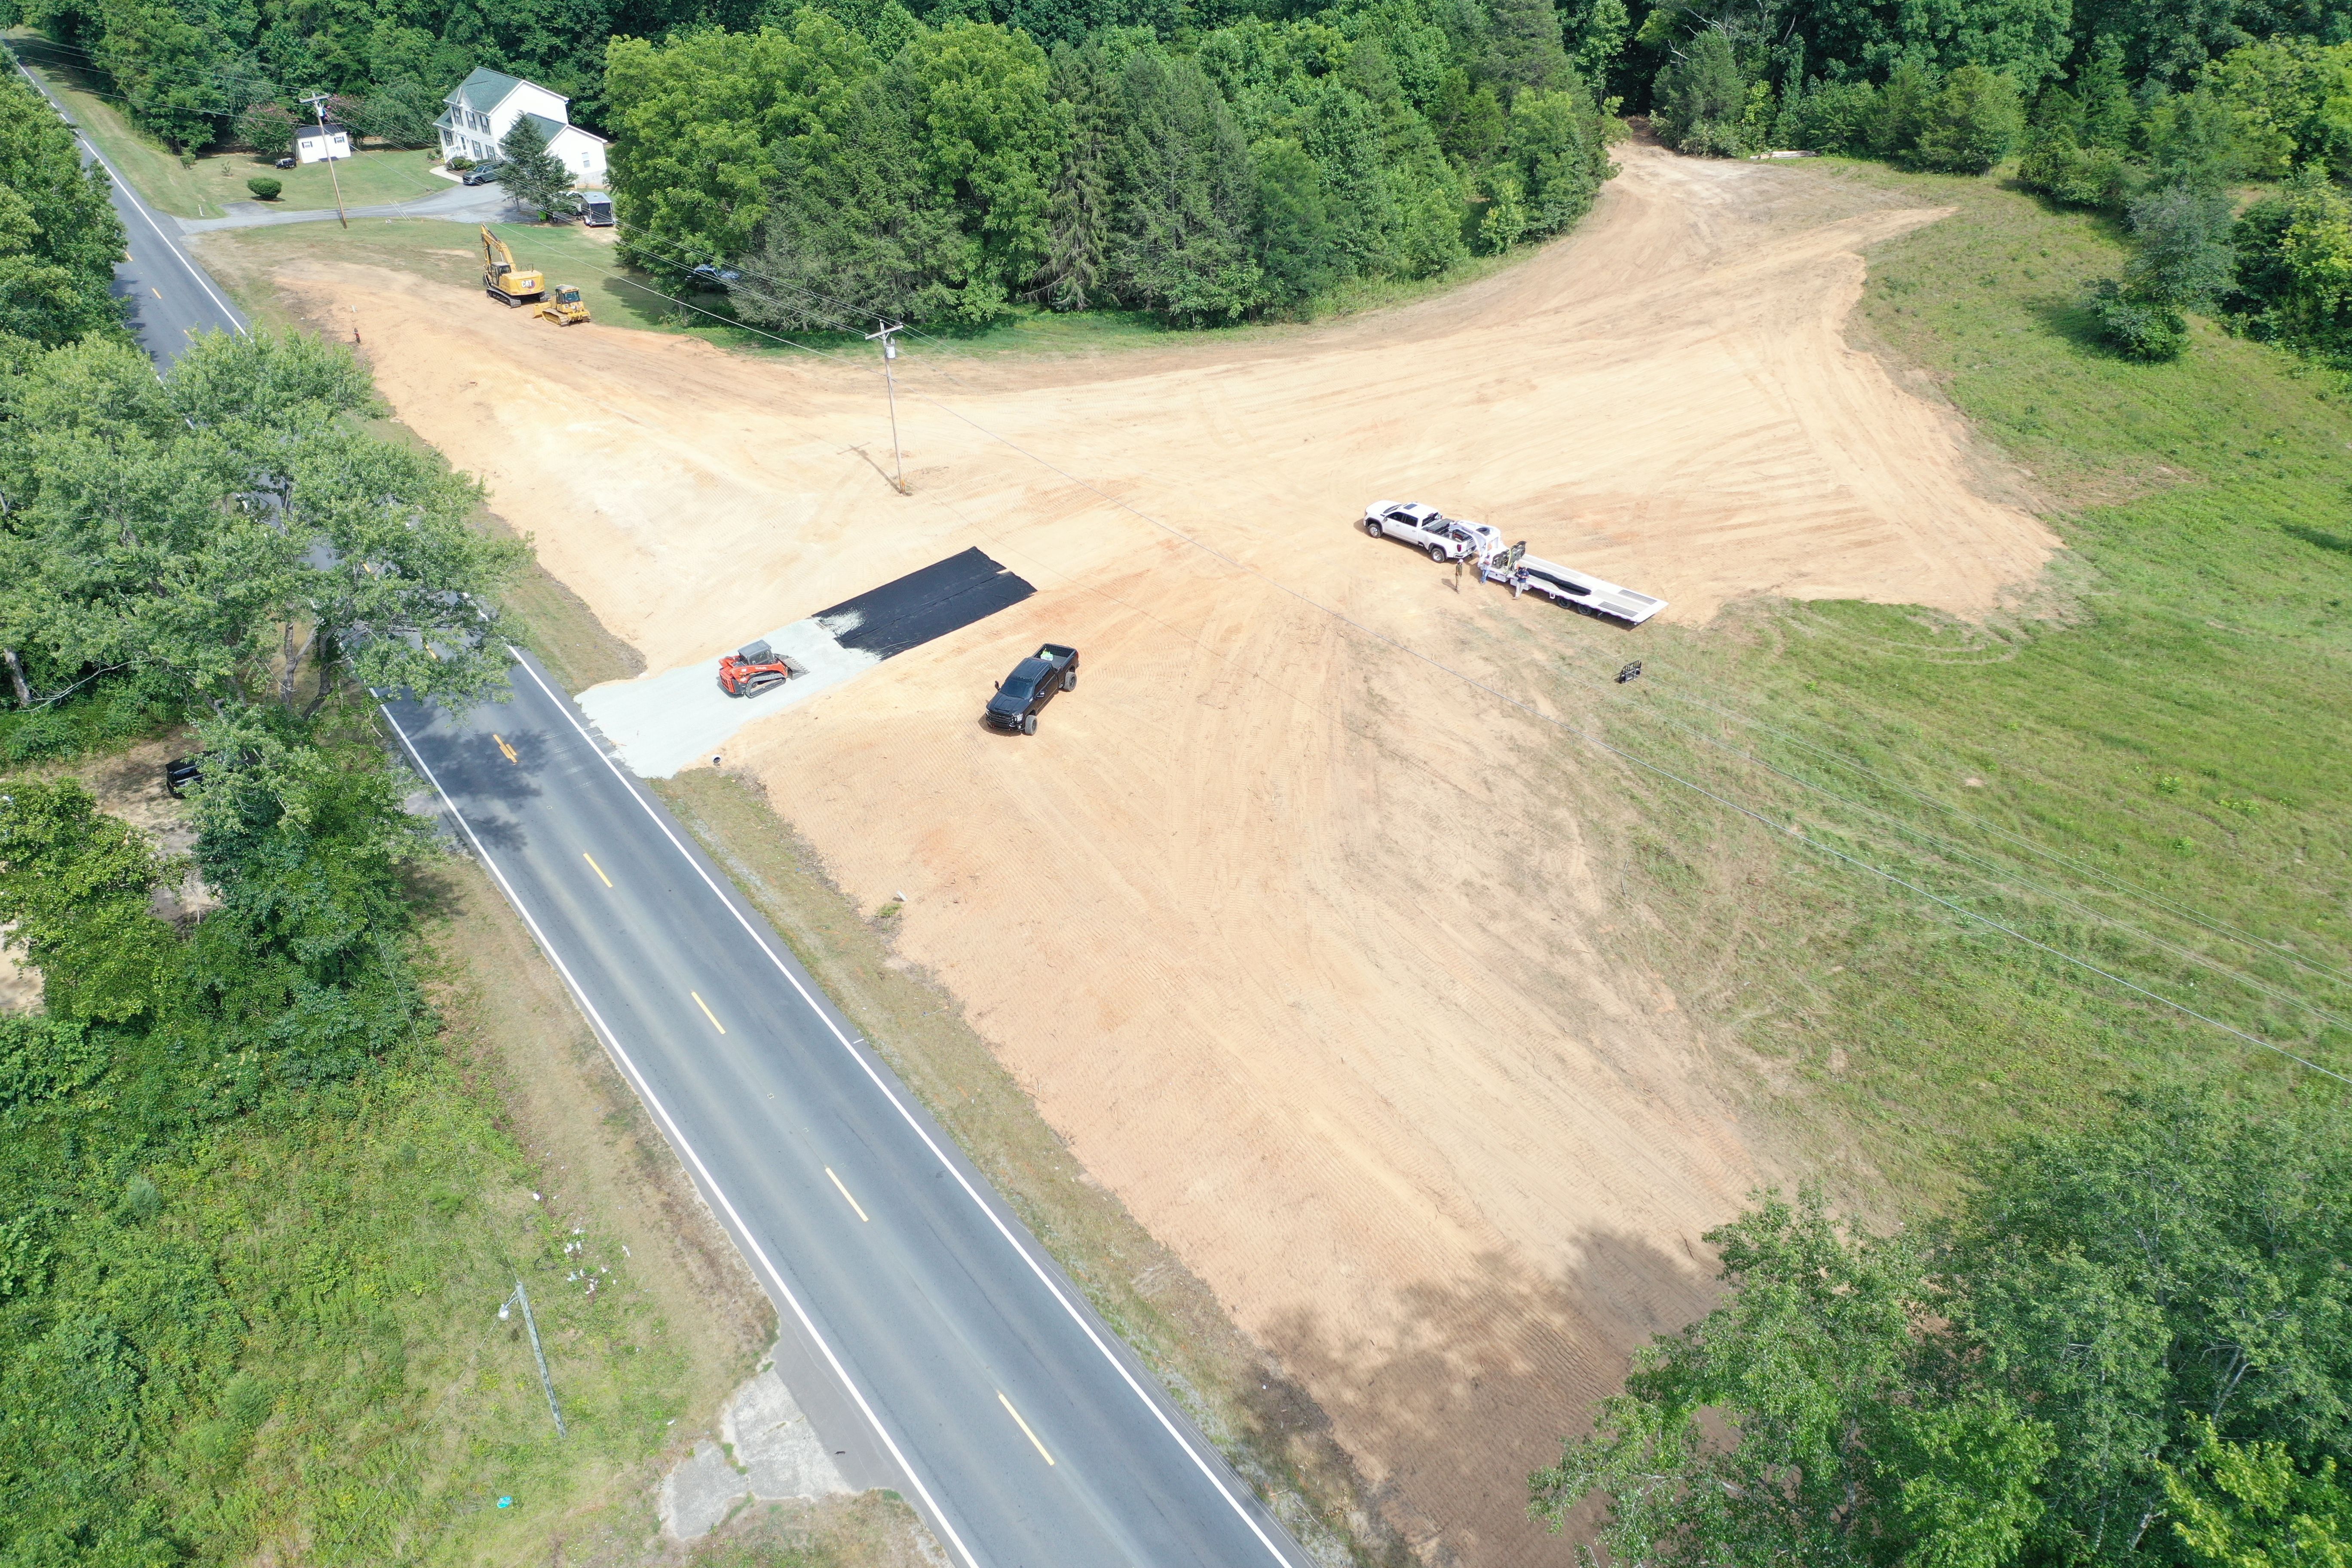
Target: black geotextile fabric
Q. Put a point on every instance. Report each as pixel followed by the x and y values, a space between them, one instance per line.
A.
pixel 931 603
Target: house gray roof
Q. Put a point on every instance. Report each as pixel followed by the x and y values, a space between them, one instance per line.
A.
pixel 551 129
pixel 484 90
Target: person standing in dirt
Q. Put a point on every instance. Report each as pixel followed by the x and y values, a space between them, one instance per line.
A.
pixel 1457 572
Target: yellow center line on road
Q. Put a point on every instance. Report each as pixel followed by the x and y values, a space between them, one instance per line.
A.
pixel 510 750
pixel 1022 1424
pixel 706 1012
pixel 845 1193
pixel 595 867
pixel 157 292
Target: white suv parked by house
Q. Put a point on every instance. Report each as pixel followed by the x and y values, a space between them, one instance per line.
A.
pixel 1426 528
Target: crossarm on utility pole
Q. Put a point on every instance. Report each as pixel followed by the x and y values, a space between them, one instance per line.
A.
pixel 890 383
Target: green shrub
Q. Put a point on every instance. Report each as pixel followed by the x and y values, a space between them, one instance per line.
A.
pixel 42 732
pixel 456 162
pixel 1969 125
pixel 100 715
pixel 264 188
pixel 2136 327
pixel 2186 258
pixel 1829 117
pixel 2078 177
pixel 1703 99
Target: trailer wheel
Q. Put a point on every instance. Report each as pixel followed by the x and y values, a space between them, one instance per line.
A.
pixel 1069 680
pixel 1437 554
pixel 1028 723
pixel 1373 526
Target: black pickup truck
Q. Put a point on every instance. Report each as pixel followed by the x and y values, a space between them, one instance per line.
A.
pixel 1031 685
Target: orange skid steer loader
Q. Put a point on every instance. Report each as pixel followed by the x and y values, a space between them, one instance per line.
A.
pixel 748 671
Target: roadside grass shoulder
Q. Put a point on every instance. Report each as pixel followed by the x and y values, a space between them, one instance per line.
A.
pixel 2140 763
pixel 1261 1420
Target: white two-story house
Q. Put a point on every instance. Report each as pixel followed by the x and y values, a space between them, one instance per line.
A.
pixel 485 106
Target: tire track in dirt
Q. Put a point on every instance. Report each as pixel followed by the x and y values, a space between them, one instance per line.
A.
pixel 1301 947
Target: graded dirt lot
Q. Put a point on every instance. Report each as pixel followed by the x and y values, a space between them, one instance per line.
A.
pixel 1298 940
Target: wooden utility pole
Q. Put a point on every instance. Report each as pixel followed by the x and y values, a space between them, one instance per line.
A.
pixel 889 352
pixel 317 102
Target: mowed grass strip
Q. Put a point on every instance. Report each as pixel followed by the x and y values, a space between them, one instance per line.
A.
pixel 2142 766
pixel 203 185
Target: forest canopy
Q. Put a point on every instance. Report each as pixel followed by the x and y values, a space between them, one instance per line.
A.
pixel 1208 161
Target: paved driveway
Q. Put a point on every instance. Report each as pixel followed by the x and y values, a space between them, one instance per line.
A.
pixel 459 203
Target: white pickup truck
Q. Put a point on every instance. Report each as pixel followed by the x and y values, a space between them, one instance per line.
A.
pixel 1446 538
pixel 1452 538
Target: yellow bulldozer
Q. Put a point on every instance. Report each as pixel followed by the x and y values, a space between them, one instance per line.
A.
pixel 514 286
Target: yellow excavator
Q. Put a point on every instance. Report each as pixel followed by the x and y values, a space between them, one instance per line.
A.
pixel 514 286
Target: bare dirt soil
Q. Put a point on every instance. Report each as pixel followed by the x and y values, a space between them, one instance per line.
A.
pixel 128 784
pixel 1284 929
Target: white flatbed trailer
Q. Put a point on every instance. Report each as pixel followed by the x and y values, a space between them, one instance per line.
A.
pixel 1579 590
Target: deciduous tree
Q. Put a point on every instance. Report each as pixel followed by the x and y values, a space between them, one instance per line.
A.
pixel 59 239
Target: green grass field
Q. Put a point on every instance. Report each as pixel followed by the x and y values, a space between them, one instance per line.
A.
pixel 2143 769
pixel 202 185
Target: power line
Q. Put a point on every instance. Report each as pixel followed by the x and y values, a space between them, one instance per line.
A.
pixel 1595 741
pixel 826 306
pixel 845 312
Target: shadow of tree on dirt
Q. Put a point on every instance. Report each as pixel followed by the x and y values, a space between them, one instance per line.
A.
pixel 1481 1381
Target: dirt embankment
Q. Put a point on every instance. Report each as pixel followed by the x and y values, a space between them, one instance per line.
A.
pixel 1286 931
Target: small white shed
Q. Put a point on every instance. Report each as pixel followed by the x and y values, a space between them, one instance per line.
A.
pixel 316 143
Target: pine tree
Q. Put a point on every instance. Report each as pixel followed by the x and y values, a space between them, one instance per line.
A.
pixel 1523 47
pixel 1080 219
pixel 1294 224
pixel 533 175
pixel 1185 196
pixel 852 233
pixel 2109 116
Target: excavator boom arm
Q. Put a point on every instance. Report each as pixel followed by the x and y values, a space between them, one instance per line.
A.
pixel 495 254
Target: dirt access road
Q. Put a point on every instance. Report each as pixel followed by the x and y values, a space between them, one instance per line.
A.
pixel 1298 942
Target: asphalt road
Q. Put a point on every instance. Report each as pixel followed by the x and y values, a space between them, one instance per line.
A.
pixel 171 297
pixel 927 1336
pixel 931 1340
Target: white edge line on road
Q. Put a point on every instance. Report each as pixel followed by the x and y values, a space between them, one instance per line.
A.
pixel 920 1132
pixel 132 192
pixel 613 1043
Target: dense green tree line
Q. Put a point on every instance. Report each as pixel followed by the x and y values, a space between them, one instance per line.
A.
pixel 59 236
pixel 2128 1345
pixel 189 70
pixel 939 173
